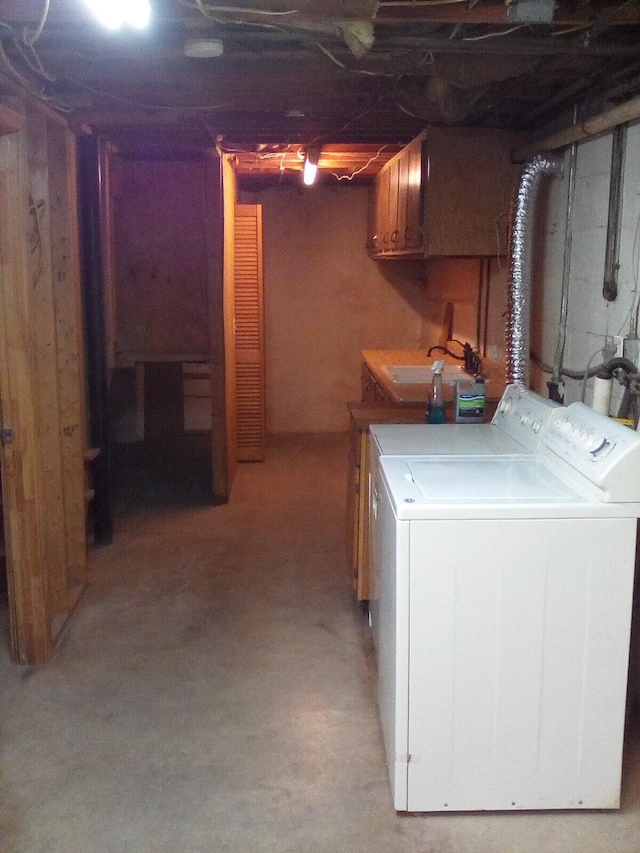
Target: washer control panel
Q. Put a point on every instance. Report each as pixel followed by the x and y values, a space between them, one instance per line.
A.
pixel 601 449
pixel 523 414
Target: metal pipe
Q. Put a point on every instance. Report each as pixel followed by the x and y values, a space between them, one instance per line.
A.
pixel 614 222
pixel 566 263
pixel 629 111
pixel 518 327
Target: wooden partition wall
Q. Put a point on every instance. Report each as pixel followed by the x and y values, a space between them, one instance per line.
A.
pixel 41 383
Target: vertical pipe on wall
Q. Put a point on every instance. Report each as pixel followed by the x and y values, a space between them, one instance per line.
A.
pixel 614 221
pixel 518 327
pixel 566 268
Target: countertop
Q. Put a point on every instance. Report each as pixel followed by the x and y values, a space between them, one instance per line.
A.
pixel 376 359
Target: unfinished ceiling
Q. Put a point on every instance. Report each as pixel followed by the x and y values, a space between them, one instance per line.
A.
pixel 295 72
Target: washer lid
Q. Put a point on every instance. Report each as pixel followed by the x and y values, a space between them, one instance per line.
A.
pixel 494 480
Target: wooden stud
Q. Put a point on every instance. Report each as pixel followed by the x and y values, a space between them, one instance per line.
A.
pixel 70 346
pixel 215 265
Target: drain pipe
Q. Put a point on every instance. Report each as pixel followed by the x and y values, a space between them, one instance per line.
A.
pixel 519 324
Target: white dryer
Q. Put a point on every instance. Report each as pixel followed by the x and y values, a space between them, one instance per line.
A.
pixel 502 619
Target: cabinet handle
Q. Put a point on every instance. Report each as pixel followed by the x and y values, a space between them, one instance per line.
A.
pixel 394 236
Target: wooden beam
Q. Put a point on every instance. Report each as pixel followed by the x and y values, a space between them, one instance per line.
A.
pixel 44 337
pixel 28 98
pixel 69 345
pixel 28 593
pixel 74 14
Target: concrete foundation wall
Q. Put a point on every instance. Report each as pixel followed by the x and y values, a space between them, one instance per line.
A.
pixel 325 301
pixel 592 321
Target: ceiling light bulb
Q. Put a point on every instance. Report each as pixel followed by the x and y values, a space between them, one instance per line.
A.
pixel 310 169
pixel 110 13
pixel 114 13
pixel 309 173
pixel 138 14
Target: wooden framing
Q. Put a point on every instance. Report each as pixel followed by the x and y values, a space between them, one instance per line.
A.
pixel 229 198
pixel 44 338
pixel 27 582
pixel 65 259
pixel 220 198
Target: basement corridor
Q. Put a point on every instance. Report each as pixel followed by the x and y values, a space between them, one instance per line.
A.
pixel 215 692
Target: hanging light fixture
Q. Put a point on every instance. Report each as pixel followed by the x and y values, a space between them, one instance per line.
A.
pixel 114 13
pixel 310 169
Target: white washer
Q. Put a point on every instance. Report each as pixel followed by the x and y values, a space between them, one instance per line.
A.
pixel 501 615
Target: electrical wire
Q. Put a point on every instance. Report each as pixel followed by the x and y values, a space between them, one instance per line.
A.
pixel 495 33
pixel 35 65
pixel 341 64
pixel 422 3
pixel 31 40
pixel 632 315
pixel 570 30
pixel 565 371
pixel 205 8
pixel 362 168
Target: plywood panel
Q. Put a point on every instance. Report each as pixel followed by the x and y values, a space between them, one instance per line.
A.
pixel 161 259
pixel 249 328
pixel 44 338
pixel 28 594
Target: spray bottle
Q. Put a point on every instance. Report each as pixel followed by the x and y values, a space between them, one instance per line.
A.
pixel 435 412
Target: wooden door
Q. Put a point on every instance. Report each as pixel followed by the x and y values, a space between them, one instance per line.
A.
pixel 249 330
pixel 31 640
pixel 417 169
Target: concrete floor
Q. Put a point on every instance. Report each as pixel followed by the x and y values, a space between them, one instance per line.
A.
pixel 215 692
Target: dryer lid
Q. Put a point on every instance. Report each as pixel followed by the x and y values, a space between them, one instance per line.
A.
pixel 493 480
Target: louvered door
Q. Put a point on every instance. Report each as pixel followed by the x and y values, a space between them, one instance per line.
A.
pixel 249 315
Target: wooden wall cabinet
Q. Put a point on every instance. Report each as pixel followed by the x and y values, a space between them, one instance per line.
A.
pixel 362 415
pixel 447 193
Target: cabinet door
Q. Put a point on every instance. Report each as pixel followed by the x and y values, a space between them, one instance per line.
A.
pixel 382 211
pixel 403 197
pixel 392 205
pixel 417 167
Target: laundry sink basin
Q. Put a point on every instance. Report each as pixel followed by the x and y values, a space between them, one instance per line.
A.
pixel 420 374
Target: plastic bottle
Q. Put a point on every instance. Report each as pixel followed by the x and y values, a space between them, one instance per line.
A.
pixel 470 400
pixel 435 412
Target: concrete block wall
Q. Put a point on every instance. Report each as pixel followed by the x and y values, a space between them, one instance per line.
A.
pixel 592 321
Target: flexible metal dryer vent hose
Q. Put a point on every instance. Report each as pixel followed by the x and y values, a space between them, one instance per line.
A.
pixel 519 322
